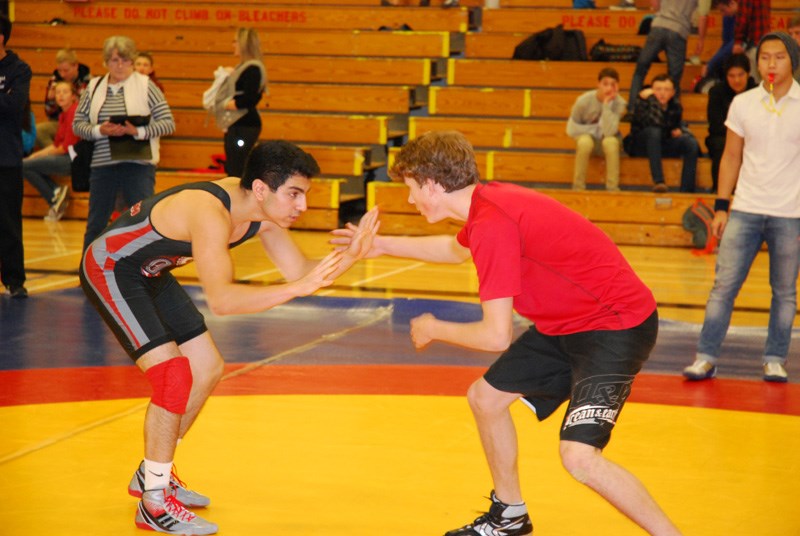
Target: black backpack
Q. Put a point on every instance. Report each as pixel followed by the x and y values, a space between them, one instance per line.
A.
pixel 555 44
pixel 602 51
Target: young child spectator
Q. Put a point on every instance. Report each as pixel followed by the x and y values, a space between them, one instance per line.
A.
pixel 657 130
pixel 594 124
pixel 55 159
pixel 736 80
pixel 67 68
pixel 144 65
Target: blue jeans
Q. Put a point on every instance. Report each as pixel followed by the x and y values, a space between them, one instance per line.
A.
pixel 135 181
pixel 675 48
pixel 654 144
pixel 742 239
pixel 38 170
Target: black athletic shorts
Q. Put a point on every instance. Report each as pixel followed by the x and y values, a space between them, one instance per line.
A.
pixel 143 312
pixel 593 369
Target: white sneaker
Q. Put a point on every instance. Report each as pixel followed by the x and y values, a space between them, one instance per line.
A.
pixel 160 511
pixel 774 372
pixel 60 201
pixel 51 215
pixel 700 370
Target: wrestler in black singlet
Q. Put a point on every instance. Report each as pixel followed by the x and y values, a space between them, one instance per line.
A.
pixel 125 272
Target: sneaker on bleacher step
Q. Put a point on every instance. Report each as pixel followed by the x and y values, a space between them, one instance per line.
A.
pixel 177 487
pixel 160 511
pixel 700 370
pixel 775 372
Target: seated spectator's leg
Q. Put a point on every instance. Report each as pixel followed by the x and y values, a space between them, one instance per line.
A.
pixel 654 44
pixel 584 145
pixel 37 171
pixel 651 139
pixel 676 57
pixel 611 149
pixel 714 66
pixel 46 133
pixel 686 147
pixel 715 146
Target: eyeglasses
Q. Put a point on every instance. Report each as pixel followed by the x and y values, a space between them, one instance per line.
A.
pixel 120 60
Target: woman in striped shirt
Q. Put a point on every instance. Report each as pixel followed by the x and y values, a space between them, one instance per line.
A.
pixel 125 114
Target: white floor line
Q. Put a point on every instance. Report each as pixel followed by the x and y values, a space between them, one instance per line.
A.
pixel 381 314
pixel 377 277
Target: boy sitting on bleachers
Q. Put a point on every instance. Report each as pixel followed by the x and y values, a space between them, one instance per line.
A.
pixel 657 130
pixel 594 124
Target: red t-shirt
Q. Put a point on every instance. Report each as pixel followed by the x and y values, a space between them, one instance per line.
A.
pixel 65 137
pixel 564 273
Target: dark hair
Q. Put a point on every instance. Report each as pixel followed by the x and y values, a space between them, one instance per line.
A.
pixel 147 56
pixel 445 157
pixel 736 60
pixel 663 77
pixel 274 162
pixel 5 28
pixel 608 72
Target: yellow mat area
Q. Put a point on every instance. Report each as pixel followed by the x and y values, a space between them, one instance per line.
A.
pixel 382 465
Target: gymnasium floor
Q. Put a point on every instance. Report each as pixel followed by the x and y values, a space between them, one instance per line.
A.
pixel 329 422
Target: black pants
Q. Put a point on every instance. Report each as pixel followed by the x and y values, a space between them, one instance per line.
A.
pixel 715 146
pixel 12 261
pixel 238 142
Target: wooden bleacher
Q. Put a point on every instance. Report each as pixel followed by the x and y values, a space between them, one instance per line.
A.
pixel 610 23
pixel 603 4
pixel 508 133
pixel 333 160
pixel 627 217
pixel 534 103
pixel 291 97
pixel 344 91
pixel 552 170
pixel 311 69
pixel 315 128
pixel 501 45
pixel 87 37
pixel 546 74
pixel 298 16
pixel 322 213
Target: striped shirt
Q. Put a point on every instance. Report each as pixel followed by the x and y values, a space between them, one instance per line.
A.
pixel 161 120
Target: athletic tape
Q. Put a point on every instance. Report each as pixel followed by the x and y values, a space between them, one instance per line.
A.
pixel 172 384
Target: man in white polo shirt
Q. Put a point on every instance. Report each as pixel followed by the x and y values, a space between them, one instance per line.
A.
pixel 762 161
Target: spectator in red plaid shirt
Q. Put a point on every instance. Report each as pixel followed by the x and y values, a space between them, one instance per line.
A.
pixel 752 23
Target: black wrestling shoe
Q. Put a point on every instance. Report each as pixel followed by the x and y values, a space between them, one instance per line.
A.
pixel 496 522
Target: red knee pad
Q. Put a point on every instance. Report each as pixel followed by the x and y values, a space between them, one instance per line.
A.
pixel 172 384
